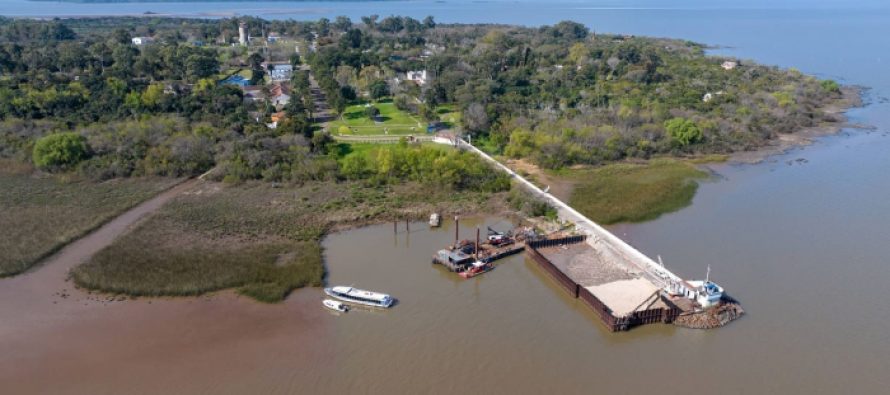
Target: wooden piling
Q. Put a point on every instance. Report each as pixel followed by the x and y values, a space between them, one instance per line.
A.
pixel 456 230
pixel 476 250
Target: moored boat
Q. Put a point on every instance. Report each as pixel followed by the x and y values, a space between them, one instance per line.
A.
pixel 335 305
pixel 476 268
pixel 435 220
pixel 360 296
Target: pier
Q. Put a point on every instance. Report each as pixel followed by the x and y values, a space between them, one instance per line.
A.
pixel 623 286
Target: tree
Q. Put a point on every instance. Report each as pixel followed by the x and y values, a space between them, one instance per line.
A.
pixel 201 65
pixel 475 118
pixel 347 92
pixel 152 95
pixel 429 22
pixel 342 23
pixel 378 89
pixel 354 167
pixel 683 132
pixel 372 112
pixel 60 150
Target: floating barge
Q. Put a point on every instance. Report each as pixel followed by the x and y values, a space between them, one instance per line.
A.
pixel 624 297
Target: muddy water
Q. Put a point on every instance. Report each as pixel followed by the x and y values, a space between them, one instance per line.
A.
pixel 509 331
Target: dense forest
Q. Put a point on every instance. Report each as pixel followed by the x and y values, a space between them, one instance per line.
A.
pixel 80 95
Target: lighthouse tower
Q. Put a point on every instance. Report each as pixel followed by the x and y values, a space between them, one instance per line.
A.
pixel 242 33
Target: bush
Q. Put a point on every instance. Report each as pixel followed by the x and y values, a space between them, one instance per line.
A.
pixel 830 86
pixel 60 151
pixel 683 132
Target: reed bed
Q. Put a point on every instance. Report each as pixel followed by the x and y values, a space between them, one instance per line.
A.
pixel 261 239
pixel 635 192
pixel 39 214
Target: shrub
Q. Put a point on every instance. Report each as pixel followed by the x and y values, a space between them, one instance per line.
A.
pixel 60 150
pixel 683 132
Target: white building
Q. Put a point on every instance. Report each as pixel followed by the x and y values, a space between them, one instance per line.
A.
pixel 280 71
pixel 729 65
pixel 418 77
pixel 142 40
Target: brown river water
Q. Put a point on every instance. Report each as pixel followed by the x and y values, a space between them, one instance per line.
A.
pixel 509 331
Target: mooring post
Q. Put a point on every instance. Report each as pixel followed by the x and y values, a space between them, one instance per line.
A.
pixel 395 227
pixel 407 226
pixel 456 227
pixel 476 251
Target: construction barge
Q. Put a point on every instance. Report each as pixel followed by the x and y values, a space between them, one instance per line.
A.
pixel 470 258
pixel 621 296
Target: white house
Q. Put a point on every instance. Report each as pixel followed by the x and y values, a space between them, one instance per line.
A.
pixel 280 71
pixel 278 95
pixel 418 77
pixel 142 40
pixel 729 65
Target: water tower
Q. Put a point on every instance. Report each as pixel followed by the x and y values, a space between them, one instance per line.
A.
pixel 242 33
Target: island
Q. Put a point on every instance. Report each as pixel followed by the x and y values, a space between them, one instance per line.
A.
pixel 287 131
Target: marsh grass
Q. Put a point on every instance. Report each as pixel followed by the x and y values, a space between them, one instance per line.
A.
pixel 262 240
pixel 634 192
pixel 39 214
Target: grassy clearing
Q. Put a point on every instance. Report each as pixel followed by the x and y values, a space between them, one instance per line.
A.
pixel 633 192
pixel 390 121
pixel 449 114
pixel 260 239
pixel 41 214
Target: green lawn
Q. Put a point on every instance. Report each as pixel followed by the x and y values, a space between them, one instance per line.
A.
pixel 449 114
pixel 391 121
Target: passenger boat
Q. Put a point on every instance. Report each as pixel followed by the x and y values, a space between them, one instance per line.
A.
pixel 360 296
pixel 335 305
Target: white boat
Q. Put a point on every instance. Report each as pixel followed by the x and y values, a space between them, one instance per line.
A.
pixel 435 220
pixel 335 305
pixel 707 293
pixel 360 296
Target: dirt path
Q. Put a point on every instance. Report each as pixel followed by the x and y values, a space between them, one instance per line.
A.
pixel 58 264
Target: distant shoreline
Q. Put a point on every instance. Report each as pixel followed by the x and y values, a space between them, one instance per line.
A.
pixel 200 1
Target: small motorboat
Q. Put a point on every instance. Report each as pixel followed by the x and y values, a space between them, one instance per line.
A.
pixel 435 220
pixel 476 268
pixel 335 305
